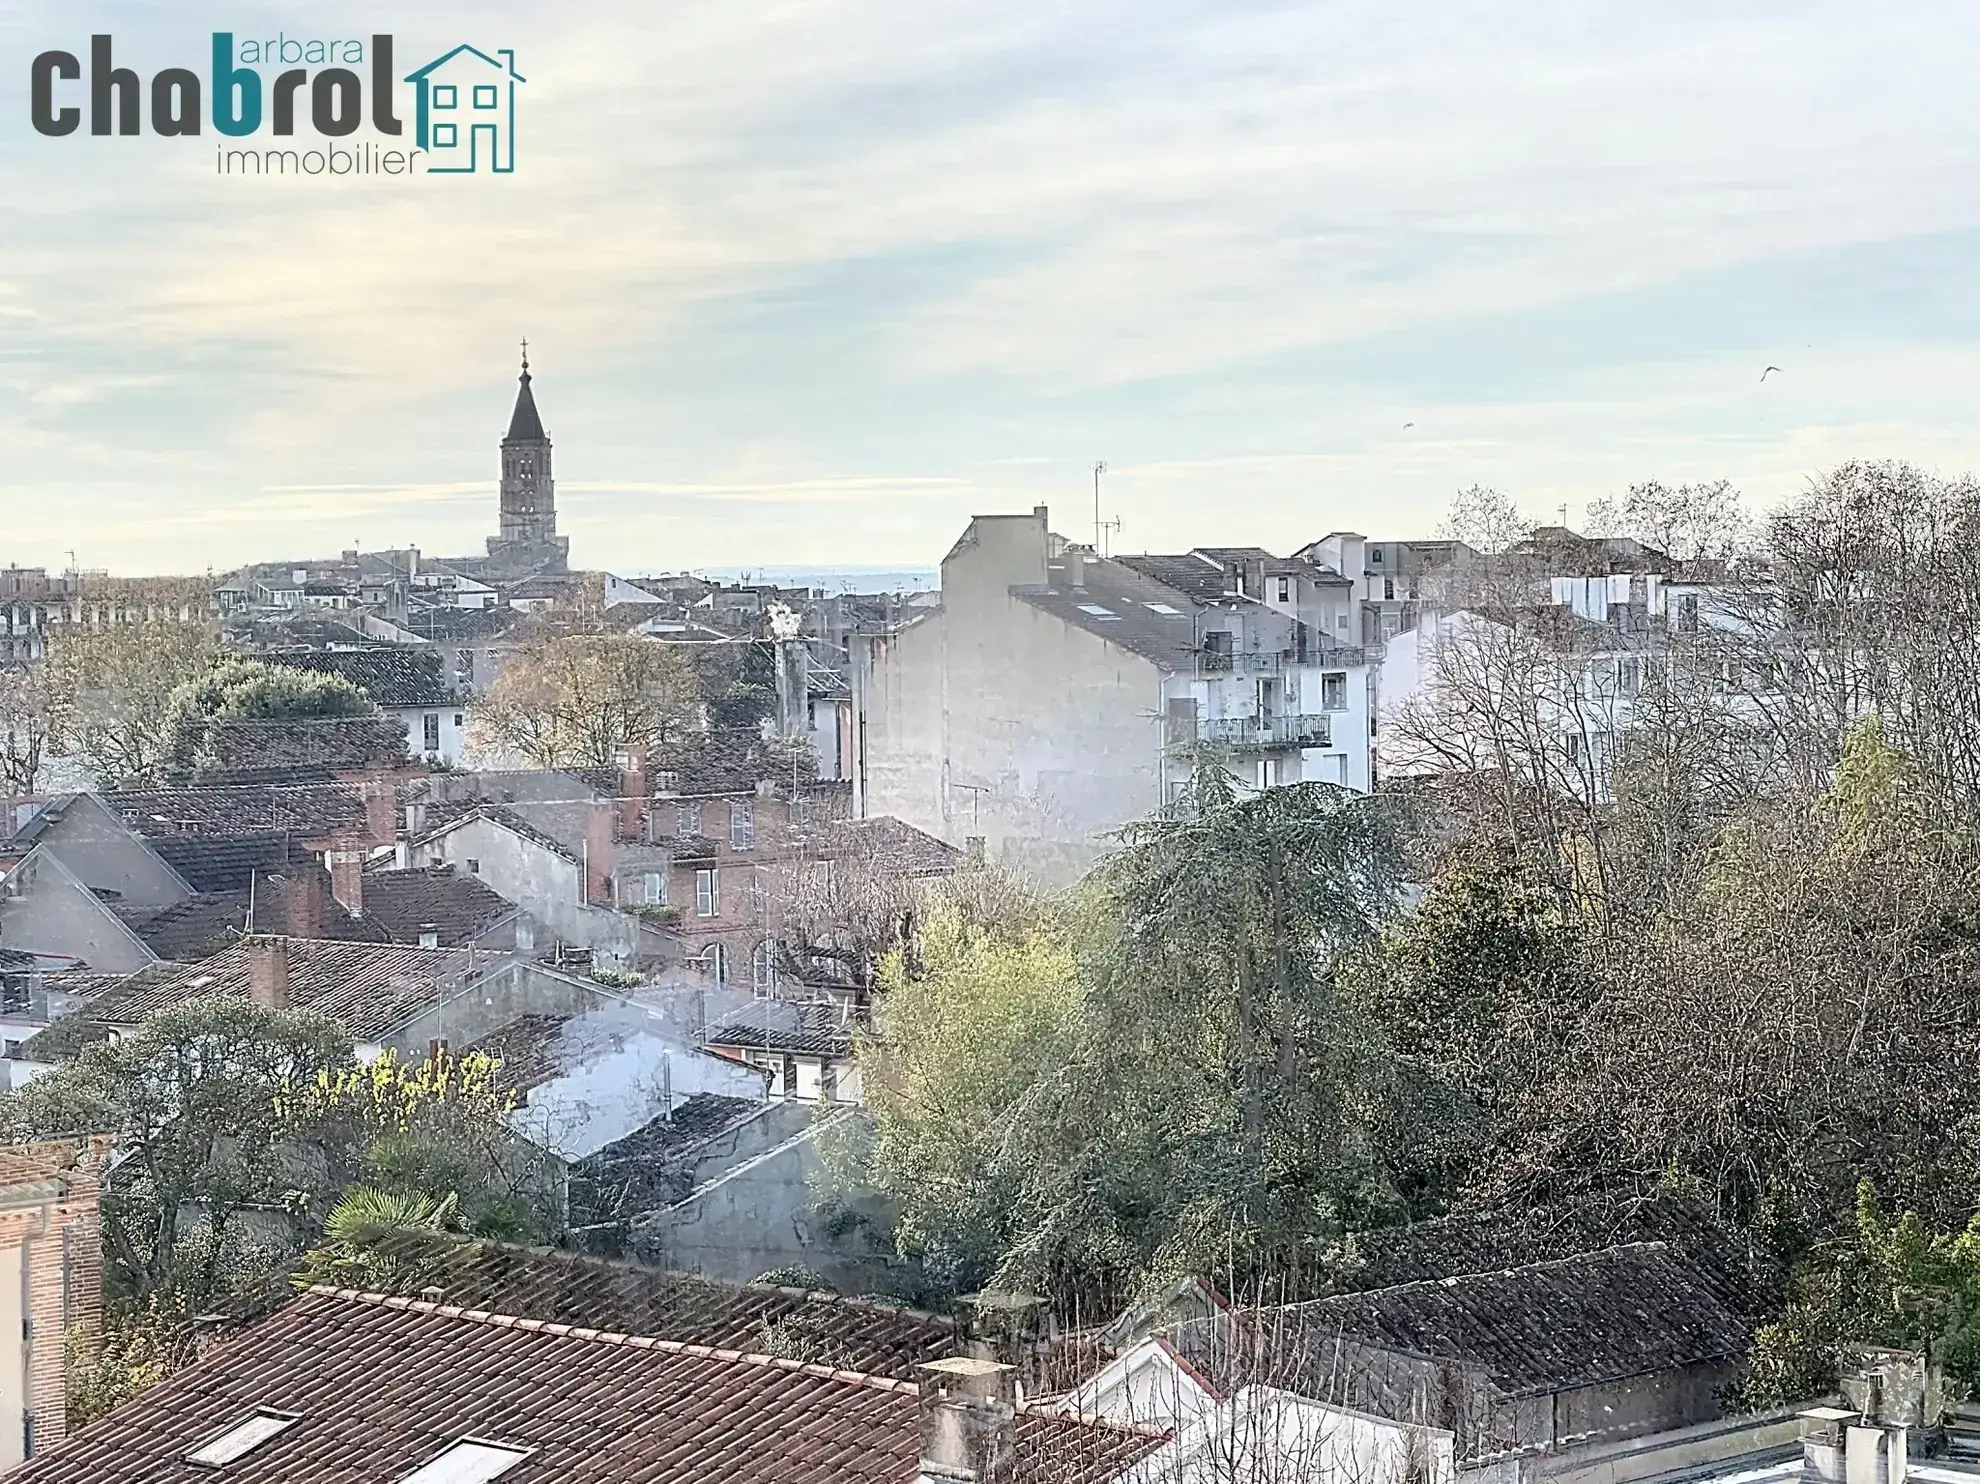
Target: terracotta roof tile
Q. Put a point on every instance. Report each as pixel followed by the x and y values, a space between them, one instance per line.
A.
pixel 384 1385
pixel 396 678
pixel 407 903
pixel 368 988
pixel 563 1287
pixel 305 811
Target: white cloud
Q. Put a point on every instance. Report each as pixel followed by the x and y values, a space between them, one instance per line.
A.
pixel 924 258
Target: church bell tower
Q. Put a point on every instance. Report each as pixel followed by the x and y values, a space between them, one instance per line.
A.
pixel 529 492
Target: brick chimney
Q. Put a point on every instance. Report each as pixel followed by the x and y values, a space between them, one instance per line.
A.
pixel 268 972
pixel 381 811
pixel 601 830
pixel 300 901
pixel 968 1421
pixel 347 879
pixel 632 793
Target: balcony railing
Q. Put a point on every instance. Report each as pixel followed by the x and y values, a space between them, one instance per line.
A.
pixel 1267 661
pixel 1266 734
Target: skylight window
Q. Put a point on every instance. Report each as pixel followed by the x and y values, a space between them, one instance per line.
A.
pixel 242 1438
pixel 1164 609
pixel 468 1462
pixel 1097 610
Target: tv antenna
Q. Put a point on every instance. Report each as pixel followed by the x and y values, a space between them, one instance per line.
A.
pixel 1100 527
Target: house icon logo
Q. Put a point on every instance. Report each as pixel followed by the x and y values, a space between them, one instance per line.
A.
pixel 467 111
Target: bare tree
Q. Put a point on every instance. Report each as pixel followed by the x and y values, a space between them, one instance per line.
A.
pixel 26 727
pixel 1698 526
pixel 110 692
pixel 584 700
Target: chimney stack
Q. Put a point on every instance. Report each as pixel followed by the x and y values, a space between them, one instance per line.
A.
pixel 381 811
pixel 268 972
pixel 347 879
pixel 968 1421
pixel 600 835
pixel 632 794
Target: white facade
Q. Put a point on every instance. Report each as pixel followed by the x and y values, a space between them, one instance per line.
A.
pixel 1054 698
pixel 1256 1435
pixel 434 734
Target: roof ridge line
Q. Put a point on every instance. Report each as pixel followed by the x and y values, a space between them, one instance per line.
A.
pixel 1450 1279
pixel 615 1337
pixel 593 1261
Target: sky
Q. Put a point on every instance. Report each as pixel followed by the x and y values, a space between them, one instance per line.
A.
pixel 813 281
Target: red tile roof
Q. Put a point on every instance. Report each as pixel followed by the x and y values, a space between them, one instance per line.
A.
pixel 575 1288
pixel 382 1386
pixel 369 988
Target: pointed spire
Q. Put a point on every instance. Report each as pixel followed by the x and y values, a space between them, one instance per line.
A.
pixel 525 426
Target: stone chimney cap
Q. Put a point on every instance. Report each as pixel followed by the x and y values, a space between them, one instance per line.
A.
pixel 965 1375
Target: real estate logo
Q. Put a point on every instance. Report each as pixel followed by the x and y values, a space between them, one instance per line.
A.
pixel 467 111
pixel 464 105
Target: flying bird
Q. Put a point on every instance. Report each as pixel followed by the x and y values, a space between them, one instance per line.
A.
pixel 1768 371
pixel 1409 425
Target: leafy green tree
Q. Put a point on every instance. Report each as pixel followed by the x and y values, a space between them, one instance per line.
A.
pixel 197 1098
pixel 248 690
pixel 1799 1017
pixel 1896 1283
pixel 1217 993
pixel 1162 1079
pixel 1476 993
pixel 225 1112
pixel 958 1046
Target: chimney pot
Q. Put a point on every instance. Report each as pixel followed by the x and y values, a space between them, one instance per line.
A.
pixel 268 972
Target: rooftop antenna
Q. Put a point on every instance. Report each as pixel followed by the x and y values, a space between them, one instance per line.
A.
pixel 1100 527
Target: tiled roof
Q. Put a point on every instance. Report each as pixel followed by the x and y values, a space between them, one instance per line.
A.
pixel 1546 1327
pixel 815 1028
pixel 206 924
pixel 368 988
pixel 1195 577
pixel 567 1287
pixel 395 678
pixel 308 749
pixel 722 762
pixel 1165 639
pixel 284 635
pixel 382 1386
pixel 462 625
pixel 525 1048
pixel 1493 1241
pixel 306 811
pixel 224 863
pixel 894 845
pixel 408 903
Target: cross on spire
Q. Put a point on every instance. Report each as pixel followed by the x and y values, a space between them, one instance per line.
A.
pixel 525 353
